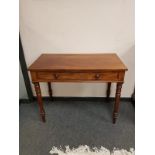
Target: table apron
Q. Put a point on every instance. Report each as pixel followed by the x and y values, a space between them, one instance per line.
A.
pixel 49 76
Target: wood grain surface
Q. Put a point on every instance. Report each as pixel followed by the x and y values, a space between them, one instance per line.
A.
pixel 78 62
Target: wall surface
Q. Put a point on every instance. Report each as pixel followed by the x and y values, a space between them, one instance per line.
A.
pixel 79 26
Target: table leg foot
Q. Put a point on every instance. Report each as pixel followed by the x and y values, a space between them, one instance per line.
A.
pixel 115 116
pixel 43 117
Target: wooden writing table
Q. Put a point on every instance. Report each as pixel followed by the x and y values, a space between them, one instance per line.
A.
pixel 78 68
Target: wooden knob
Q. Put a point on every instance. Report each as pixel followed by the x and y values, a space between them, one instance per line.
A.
pixel 97 76
pixel 56 76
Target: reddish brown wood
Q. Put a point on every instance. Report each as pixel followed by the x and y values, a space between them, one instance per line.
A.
pixel 50 90
pixel 76 76
pixel 40 102
pixel 78 62
pixel 117 101
pixel 108 89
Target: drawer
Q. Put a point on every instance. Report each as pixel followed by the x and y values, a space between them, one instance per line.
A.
pixel 78 76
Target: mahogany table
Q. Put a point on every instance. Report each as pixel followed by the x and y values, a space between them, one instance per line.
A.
pixel 78 68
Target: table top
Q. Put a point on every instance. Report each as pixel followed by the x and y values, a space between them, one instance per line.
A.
pixel 78 62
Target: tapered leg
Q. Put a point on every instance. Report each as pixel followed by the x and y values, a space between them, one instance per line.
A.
pixel 108 89
pixel 50 90
pixel 40 102
pixel 117 101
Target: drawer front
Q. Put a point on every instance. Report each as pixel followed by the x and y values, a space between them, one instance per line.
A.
pixel 51 76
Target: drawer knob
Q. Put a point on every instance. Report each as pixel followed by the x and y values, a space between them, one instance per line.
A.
pixel 97 76
pixel 56 76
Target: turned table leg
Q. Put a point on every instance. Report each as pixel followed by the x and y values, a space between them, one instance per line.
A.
pixel 50 90
pixel 108 89
pixel 40 102
pixel 117 101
